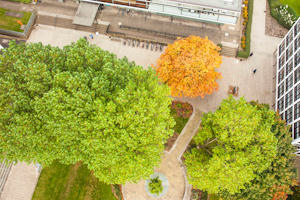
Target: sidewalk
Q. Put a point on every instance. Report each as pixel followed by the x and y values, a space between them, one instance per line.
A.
pixel 21 182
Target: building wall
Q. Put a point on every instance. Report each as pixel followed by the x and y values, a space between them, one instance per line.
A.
pixel 172 8
pixel 288 79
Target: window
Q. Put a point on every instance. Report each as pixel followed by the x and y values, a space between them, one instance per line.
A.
pixel 282 116
pixel 281 90
pixel 289 82
pixel 281 61
pixel 296 130
pixel 296 110
pixel 297 75
pixel 281 75
pixel 280 105
pixel 297 92
pixel 289 38
pixel 289 67
pixel 289 115
pixel 297 58
pixel 297 43
pixel 288 99
pixel 281 47
pixel 289 52
pixel 297 28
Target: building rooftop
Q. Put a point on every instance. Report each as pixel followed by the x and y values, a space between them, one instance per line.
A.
pixel 234 5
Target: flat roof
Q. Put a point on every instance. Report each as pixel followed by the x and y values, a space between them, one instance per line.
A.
pixel 234 5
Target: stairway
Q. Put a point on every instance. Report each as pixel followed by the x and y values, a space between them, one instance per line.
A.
pixel 228 51
pixel 67 23
pixel 4 172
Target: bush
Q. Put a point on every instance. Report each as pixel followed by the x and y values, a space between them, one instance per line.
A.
pixel 155 186
pixel 284 14
pixel 245 53
pixel 22 1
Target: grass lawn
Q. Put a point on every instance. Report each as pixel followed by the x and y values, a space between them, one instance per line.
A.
pixel 10 23
pixel 294 4
pixel 70 182
pixel 23 1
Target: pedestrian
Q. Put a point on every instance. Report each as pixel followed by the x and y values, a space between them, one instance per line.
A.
pixel 251 54
pixel 254 71
pixel 91 36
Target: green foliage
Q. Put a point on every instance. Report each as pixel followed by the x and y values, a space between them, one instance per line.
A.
pixel 181 113
pixel 245 53
pixel 296 193
pixel 233 144
pixel 155 186
pixel 279 175
pixel 274 5
pixel 118 191
pixel 294 4
pixel 22 1
pixel 81 103
pixel 10 22
pixel 70 182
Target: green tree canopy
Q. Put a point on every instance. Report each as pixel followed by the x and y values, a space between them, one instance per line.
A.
pixel 233 144
pixel 278 177
pixel 81 103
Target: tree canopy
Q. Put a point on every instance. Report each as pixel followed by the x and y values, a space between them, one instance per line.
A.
pixel 188 66
pixel 274 182
pixel 81 103
pixel 233 145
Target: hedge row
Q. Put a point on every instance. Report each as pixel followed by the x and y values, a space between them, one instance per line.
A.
pixel 274 4
pixel 22 1
pixel 245 53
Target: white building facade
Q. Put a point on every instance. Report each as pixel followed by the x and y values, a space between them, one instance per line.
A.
pixel 216 11
pixel 288 80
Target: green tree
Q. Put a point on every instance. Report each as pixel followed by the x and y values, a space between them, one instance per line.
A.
pixel 81 103
pixel 278 177
pixel 233 144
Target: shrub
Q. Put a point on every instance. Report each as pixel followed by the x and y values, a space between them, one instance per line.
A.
pixel 22 1
pixel 246 46
pixel 286 18
pixel 281 12
pixel 155 186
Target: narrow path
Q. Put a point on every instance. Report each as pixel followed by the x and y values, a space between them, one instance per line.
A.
pixel 186 135
pixel 171 166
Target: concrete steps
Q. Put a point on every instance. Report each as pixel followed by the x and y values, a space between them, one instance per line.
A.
pixel 228 51
pixel 4 172
pixel 67 23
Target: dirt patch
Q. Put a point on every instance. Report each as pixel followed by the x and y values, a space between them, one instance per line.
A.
pixel 14 14
pixel 72 175
pixel 272 27
pixel 184 110
pixel 171 141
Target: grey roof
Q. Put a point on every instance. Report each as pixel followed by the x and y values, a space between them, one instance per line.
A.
pixel 86 14
pixel 234 5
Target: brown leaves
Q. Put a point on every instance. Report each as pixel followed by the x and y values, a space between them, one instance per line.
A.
pixel 188 67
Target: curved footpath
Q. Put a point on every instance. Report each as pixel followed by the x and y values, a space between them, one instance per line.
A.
pixel 171 166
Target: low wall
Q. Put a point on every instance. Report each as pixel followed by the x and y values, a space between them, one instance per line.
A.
pixel 26 31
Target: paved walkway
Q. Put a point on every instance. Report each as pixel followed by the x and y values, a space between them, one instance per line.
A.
pixel 20 183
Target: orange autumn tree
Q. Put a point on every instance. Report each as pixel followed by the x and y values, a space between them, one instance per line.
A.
pixel 188 67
